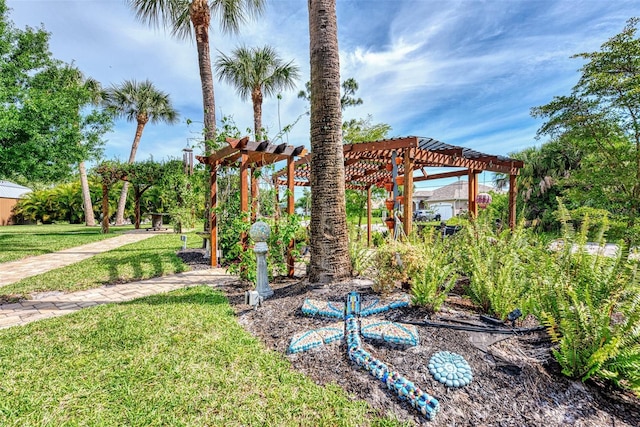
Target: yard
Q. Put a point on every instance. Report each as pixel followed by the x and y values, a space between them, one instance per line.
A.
pixel 200 356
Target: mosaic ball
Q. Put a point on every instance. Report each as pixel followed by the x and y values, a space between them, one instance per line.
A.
pixel 450 369
pixel 260 231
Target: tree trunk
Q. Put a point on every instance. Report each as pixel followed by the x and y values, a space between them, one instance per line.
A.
pixel 329 237
pixel 256 97
pixel 122 202
pixel 89 217
pixel 200 18
pixel 105 209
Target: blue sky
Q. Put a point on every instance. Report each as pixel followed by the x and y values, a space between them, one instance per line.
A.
pixel 464 72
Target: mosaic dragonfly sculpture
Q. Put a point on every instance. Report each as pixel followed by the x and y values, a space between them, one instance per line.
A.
pixel 354 313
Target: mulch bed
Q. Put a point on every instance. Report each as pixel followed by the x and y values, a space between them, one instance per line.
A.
pixel 516 382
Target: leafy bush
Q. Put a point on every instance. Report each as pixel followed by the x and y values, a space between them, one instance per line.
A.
pixel 423 262
pixel 242 261
pixel 389 267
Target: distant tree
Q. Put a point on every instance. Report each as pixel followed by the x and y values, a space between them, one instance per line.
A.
pixel 142 176
pixel 40 105
pixel 93 125
pixel 550 171
pixel 348 99
pixel 192 18
pixel 362 130
pixel 255 73
pixel 353 132
pixel 110 172
pixel 144 103
pixel 328 227
pixel 602 116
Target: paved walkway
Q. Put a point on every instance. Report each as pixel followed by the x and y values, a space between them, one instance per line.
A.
pixel 15 271
pixel 52 304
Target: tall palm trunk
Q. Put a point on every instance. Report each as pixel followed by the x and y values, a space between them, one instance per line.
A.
pixel 201 19
pixel 89 216
pixel 132 157
pixel 256 98
pixel 329 237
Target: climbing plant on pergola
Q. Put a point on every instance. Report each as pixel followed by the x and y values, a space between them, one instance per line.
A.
pixel 246 156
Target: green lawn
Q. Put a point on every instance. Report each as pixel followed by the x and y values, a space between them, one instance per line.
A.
pixel 20 241
pixel 149 258
pixel 177 359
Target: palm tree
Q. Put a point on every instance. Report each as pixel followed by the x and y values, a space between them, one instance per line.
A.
pixel 329 238
pixel 188 18
pixel 88 91
pixel 257 72
pixel 142 102
pixel 94 90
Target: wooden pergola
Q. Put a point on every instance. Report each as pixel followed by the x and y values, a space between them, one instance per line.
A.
pixel 400 161
pixel 246 155
pixel 403 161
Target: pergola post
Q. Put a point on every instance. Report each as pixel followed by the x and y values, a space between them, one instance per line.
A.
pixel 244 190
pixel 213 217
pixel 276 195
pixel 254 194
pixel 369 216
pixel 472 192
pixel 290 211
pixel 513 191
pixel 408 192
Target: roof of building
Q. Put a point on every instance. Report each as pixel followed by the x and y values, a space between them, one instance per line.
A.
pixel 455 191
pixel 10 190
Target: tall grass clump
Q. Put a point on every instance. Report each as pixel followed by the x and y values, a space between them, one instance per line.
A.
pixel 361 256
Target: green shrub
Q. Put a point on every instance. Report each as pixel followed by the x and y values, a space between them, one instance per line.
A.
pixel 389 267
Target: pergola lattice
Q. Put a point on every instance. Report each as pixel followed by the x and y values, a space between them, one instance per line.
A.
pixel 366 165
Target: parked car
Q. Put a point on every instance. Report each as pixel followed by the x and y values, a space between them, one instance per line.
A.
pixel 426 215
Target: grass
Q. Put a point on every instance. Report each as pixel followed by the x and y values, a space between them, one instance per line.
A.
pixel 21 241
pixel 142 260
pixel 177 359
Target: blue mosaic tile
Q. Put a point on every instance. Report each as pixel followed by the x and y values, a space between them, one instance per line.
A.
pixel 312 307
pixel 307 340
pixel 390 332
pixel 450 369
pixel 375 306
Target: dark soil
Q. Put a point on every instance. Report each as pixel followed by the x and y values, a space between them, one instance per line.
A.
pixel 516 382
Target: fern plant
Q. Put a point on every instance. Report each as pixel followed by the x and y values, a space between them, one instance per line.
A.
pixel 435 277
pixel 496 266
pixel 592 311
